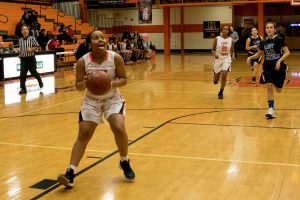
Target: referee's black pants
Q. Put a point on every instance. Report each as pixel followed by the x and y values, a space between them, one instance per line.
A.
pixel 29 64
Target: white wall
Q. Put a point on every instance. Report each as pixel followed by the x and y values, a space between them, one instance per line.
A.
pixel 196 15
pixel 192 15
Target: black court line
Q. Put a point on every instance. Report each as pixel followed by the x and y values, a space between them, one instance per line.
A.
pixel 286 168
pixel 243 126
pixel 235 80
pixel 206 108
pixel 66 87
pixel 98 157
pixel 129 144
pixel 149 109
pixel 35 115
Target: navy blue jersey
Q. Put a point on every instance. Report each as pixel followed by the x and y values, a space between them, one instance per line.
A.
pixel 272 48
pixel 255 41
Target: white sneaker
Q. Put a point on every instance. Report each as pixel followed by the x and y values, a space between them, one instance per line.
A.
pixel 270 114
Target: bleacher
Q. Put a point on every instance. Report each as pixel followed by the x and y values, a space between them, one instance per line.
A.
pixel 47 17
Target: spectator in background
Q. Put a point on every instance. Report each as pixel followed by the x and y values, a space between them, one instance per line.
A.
pixel 18 28
pixel 1 47
pixel 142 49
pixel 233 34
pixel 10 48
pixel 48 36
pixel 126 35
pixel 109 45
pixel 235 37
pixel 62 34
pixel 33 17
pixel 42 39
pixel 83 47
pixel 54 31
pixel 26 18
pixel 135 50
pixel 116 45
pixel 55 45
pixel 71 38
pixel 136 35
pixel 33 31
pixel 280 31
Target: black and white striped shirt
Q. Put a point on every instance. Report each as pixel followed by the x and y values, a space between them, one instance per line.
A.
pixel 25 43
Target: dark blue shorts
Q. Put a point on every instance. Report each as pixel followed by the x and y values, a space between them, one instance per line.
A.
pixel 270 75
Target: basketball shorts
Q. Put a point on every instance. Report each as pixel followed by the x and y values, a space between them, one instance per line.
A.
pixel 93 109
pixel 222 64
pixel 258 60
pixel 270 75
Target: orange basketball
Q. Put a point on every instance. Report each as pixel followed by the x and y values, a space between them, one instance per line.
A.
pixel 98 82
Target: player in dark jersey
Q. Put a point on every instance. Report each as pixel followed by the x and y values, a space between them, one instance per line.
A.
pixel 252 46
pixel 274 69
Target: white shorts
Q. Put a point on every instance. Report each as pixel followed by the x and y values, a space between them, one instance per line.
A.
pixel 92 109
pixel 222 64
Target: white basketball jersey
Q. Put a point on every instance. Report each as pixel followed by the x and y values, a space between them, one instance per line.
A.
pixel 223 47
pixel 109 47
pixel 108 65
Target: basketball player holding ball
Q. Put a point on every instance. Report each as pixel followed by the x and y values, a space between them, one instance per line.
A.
pixel 111 105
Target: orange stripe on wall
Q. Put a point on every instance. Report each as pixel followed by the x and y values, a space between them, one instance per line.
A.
pixel 187 28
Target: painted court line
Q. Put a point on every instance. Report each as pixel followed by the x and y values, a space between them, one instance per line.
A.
pixel 44 108
pixel 50 147
pixel 199 92
pixel 217 159
pixel 166 156
pixel 50 106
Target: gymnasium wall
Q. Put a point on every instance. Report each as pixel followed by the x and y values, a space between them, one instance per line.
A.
pixel 283 14
pixel 193 20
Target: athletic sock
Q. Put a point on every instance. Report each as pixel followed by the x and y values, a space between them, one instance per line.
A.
pixel 271 104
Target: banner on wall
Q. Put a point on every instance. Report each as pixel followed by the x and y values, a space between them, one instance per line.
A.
pixel 145 11
pixel 211 29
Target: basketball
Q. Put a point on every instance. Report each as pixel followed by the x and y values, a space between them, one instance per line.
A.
pixel 98 82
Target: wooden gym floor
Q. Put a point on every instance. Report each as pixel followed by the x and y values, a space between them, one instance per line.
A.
pixel 184 142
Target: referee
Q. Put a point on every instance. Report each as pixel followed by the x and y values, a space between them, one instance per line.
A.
pixel 28 62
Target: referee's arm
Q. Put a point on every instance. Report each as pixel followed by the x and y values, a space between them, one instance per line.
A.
pixel 35 45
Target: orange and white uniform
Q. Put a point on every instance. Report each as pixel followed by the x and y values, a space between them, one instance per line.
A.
pixel 94 106
pixel 223 51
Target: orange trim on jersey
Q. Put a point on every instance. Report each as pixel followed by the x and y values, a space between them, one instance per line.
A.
pixel 92 59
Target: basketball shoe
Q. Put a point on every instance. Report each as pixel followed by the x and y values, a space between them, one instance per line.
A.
pixel 128 172
pixel 270 114
pixel 67 179
pixel 220 95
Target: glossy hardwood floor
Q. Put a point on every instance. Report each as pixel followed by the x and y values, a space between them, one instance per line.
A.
pixel 184 142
